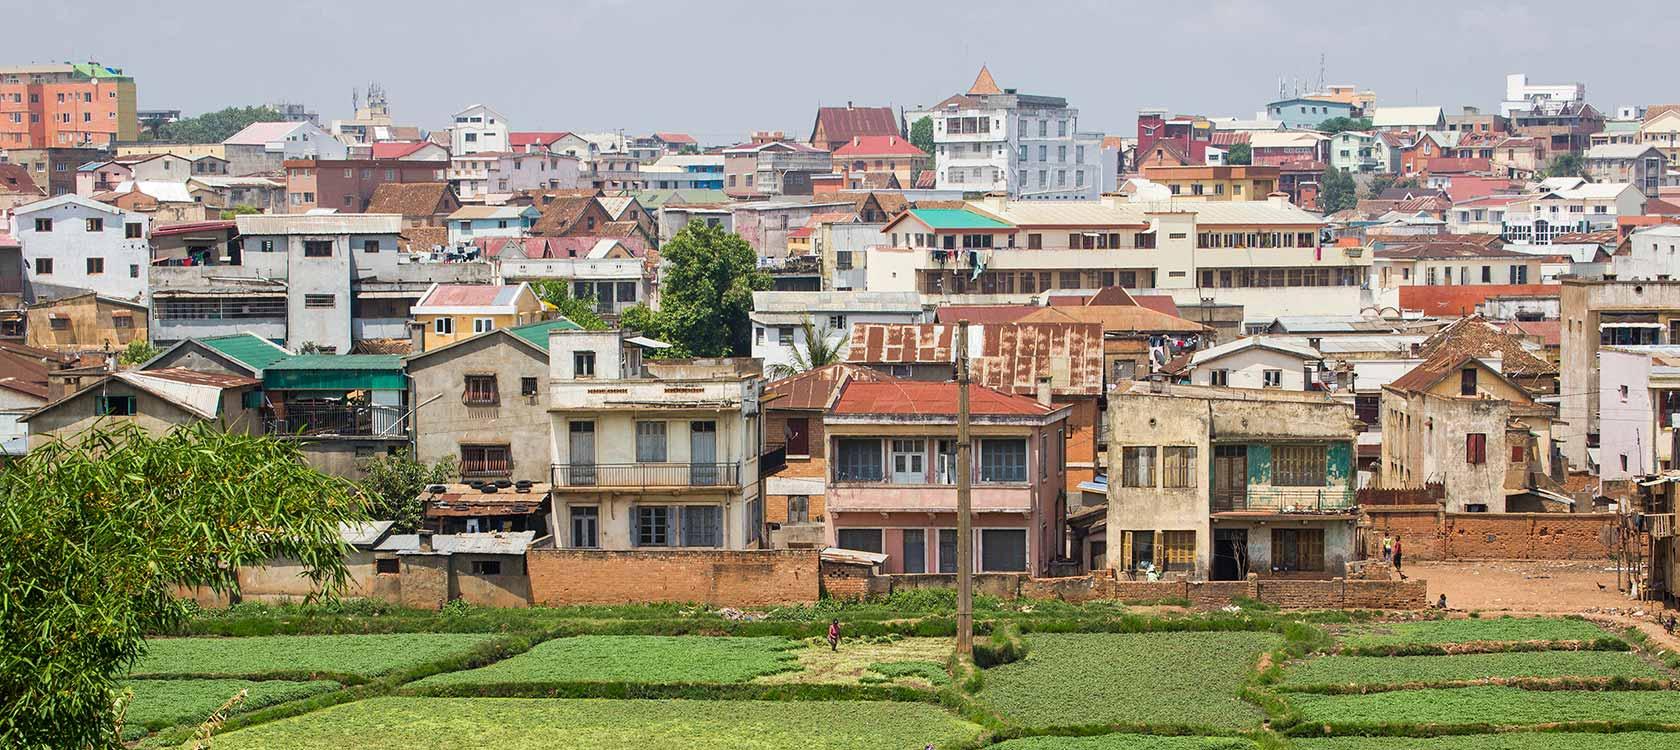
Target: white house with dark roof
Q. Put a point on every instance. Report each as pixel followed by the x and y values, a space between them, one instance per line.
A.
pixel 478 128
pixel 1258 362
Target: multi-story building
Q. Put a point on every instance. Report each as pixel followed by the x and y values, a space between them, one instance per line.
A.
pixel 1642 165
pixel 837 126
pixel 879 154
pixel 652 453
pixel 1661 128
pixel 892 474
pixel 771 165
pixel 1471 120
pixel 448 313
pixel 612 271
pixel 1187 135
pixel 73 244
pixel 472 222
pixel 1216 183
pixel 1597 313
pixel 1563 127
pixel 1353 151
pixel 265 147
pixel 105 176
pixel 1520 95
pixel 1449 261
pixel 1639 396
pixel 1288 146
pixel 347 185
pixel 1029 146
pixel 52 169
pixel 488 176
pixel 478 128
pixel 1569 205
pixel 684 172
pixel 69 105
pixel 1218 483
pixel 779 318
pixel 1302 113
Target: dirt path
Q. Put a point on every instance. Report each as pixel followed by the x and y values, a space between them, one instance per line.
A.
pixel 1526 586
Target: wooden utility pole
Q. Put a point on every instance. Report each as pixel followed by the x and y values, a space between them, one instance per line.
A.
pixel 965 543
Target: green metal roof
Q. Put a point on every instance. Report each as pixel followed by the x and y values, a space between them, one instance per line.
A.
pixel 956 218
pixel 336 372
pixel 537 333
pixel 249 349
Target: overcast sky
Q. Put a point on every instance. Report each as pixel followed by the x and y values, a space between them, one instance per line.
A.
pixel 721 68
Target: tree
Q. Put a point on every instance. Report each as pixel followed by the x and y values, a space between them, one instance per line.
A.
pixel 921 136
pixel 241 209
pixel 1336 191
pixel 577 310
pixel 705 296
pixel 137 352
pixel 1566 165
pixel 1336 125
pixel 98 530
pixel 821 348
pixel 1382 182
pixel 214 127
pixel 393 483
pixel 1239 154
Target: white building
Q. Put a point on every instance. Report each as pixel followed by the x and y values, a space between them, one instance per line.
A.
pixel 471 222
pixel 478 128
pixel 1257 362
pixel 1521 96
pixel 684 172
pixel 73 244
pixel 1567 207
pixel 491 176
pixel 778 319
pixel 1653 252
pixel 996 140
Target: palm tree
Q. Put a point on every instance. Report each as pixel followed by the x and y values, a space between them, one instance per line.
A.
pixel 821 348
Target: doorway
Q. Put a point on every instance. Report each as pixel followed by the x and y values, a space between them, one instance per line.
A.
pixel 1230 478
pixel 702 453
pixel 1230 555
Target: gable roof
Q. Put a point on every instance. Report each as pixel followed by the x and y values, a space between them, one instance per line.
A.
pixel 1117 318
pixel 561 214
pixel 14 178
pixel 906 397
pixel 262 133
pixel 1402 117
pixel 1255 342
pixel 244 350
pixel 411 198
pixel 680 138
pixel 1475 337
pixel 448 299
pixel 533 335
pixel 1435 369
pixel 879 145
pixel 951 218
pixel 197 393
pixel 397 149
pixel 523 139
pixel 845 123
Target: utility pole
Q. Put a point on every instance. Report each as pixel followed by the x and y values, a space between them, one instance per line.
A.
pixel 965 544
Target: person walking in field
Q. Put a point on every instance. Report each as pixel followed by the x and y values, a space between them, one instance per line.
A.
pixel 834 635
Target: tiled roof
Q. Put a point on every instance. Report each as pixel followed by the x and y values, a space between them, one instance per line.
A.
pixel 984 84
pixel 14 179
pixel 816 388
pixel 927 180
pixel 560 214
pixel 905 397
pixel 879 145
pixel 1549 332
pixel 844 123
pixel 1161 303
pixel 1475 337
pixel 411 199
pixel 423 239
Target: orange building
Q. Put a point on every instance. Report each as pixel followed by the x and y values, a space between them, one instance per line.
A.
pixel 71 104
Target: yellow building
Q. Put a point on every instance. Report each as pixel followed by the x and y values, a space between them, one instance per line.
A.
pixel 1216 183
pixel 448 313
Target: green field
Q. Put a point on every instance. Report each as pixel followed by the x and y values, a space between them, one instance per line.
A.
pixel 166 703
pixel 1509 741
pixel 1158 679
pixel 1440 632
pixel 1492 705
pixel 1398 670
pixel 1127 742
pixel 542 724
pixel 649 659
pixel 290 656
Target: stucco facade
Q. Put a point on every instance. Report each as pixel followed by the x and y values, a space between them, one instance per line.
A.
pixel 515 420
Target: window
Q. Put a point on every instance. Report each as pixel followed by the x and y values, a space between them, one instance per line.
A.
pixel 444 326
pixel 134 270
pixel 1003 550
pixel 1298 549
pixel 486 460
pixel 122 321
pixel 1219 377
pixel 387 566
pixel 1467 382
pixel 796 432
pixel 266 246
pixel 1178 466
pixel 863 540
pixel 784 335
pixel 702 526
pixel 1137 468
pixel 318 301
pixel 914 557
pixel 1178 550
pixel 317 248
pixel 114 406
pixel 1272 378
pixel 59 324
pixel 370 246
pixel 1298 465
pixel 583 364
pixel 1003 460
pixel 586 526
pixel 527 386
pixel 858 460
pixel 650 442
pixel 1475 448
pixel 96 225
pixel 837 322
pixel 95 265
pixel 487 567
pixel 43 225
pixel 481 391
pixel 484 325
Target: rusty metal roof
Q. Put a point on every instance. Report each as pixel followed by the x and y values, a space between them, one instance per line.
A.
pixel 816 388
pixel 1010 357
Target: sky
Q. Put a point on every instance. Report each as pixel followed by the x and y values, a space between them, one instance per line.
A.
pixel 723 68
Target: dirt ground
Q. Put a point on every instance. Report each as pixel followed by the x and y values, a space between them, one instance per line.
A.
pixel 1526 586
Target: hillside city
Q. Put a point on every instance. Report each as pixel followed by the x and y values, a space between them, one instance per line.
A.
pixel 1317 422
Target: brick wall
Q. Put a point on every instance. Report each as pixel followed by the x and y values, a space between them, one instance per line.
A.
pixel 843 581
pixel 1288 593
pixel 1428 534
pixel 1419 527
pixel 714 577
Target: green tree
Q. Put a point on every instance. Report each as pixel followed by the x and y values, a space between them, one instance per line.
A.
pixel 1240 154
pixel 823 346
pixel 705 295
pixel 1566 165
pixel 98 530
pixel 393 483
pixel 1382 182
pixel 137 351
pixel 1336 191
pixel 577 310
pixel 240 210
pixel 921 136
pixel 214 127
pixel 1336 125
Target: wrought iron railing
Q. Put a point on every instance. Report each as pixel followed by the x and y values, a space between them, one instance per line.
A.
pixel 383 421
pixel 1276 499
pixel 647 475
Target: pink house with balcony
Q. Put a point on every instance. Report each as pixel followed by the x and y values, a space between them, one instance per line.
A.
pixel 892 468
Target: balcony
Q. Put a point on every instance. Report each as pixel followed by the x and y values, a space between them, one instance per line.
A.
pixel 337 420
pixel 1274 500
pixel 646 476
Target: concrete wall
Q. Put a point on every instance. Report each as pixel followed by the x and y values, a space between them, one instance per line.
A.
pixel 1628 421
pixel 1583 301
pixel 69 245
pixel 1424 441
pixel 1247 369
pixel 443 425
pixel 715 578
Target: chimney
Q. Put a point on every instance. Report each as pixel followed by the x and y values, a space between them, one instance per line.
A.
pixel 857 140
pixel 848 105
pixel 1044 390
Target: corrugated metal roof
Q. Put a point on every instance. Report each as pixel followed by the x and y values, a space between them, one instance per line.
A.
pixel 815 388
pixel 955 218
pixel 248 348
pixel 840 302
pixel 320 224
pixel 933 399
pixel 500 543
pixel 537 333
pixel 1010 356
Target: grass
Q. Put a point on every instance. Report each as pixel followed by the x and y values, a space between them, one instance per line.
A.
pixel 540 724
pixel 165 703
pixel 1086 680
pixel 648 659
pixel 926 671
pixel 855 661
pixel 351 657
pixel 1401 670
pixel 1444 632
pixel 1491 706
pixel 1127 742
pixel 1507 741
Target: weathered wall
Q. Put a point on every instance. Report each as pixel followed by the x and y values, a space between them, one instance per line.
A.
pixel 715 577
pixel 1429 535
pixel 512 588
pixel 1295 594
pixel 425 581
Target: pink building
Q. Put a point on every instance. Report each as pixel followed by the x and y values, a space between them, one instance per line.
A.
pixel 892 476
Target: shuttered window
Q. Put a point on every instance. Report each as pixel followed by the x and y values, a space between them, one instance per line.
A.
pixel 1298 465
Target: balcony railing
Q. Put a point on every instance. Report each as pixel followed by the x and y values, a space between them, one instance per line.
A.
pixel 372 421
pixel 1284 500
pixel 647 475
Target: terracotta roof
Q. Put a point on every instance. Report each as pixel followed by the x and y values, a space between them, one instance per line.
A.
pixel 906 397
pixel 1161 303
pixel 682 138
pixel 619 229
pixel 845 123
pixel 926 180
pixel 1549 332
pixel 982 314
pixel 881 181
pixel 396 149
pixel 984 84
pixel 816 388
pixel 423 239
pixel 1660 207
pixel 523 139
pixel 560 214
pixel 1462 299
pixel 411 199
pixel 1117 318
pixel 1475 337
pixel 14 179
pixel 1446 249
pixel 879 145
pixel 1457 165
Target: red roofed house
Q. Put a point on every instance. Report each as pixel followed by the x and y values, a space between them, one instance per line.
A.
pixel 409 151
pixel 793 418
pixel 892 476
pixel 837 126
pixel 877 154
